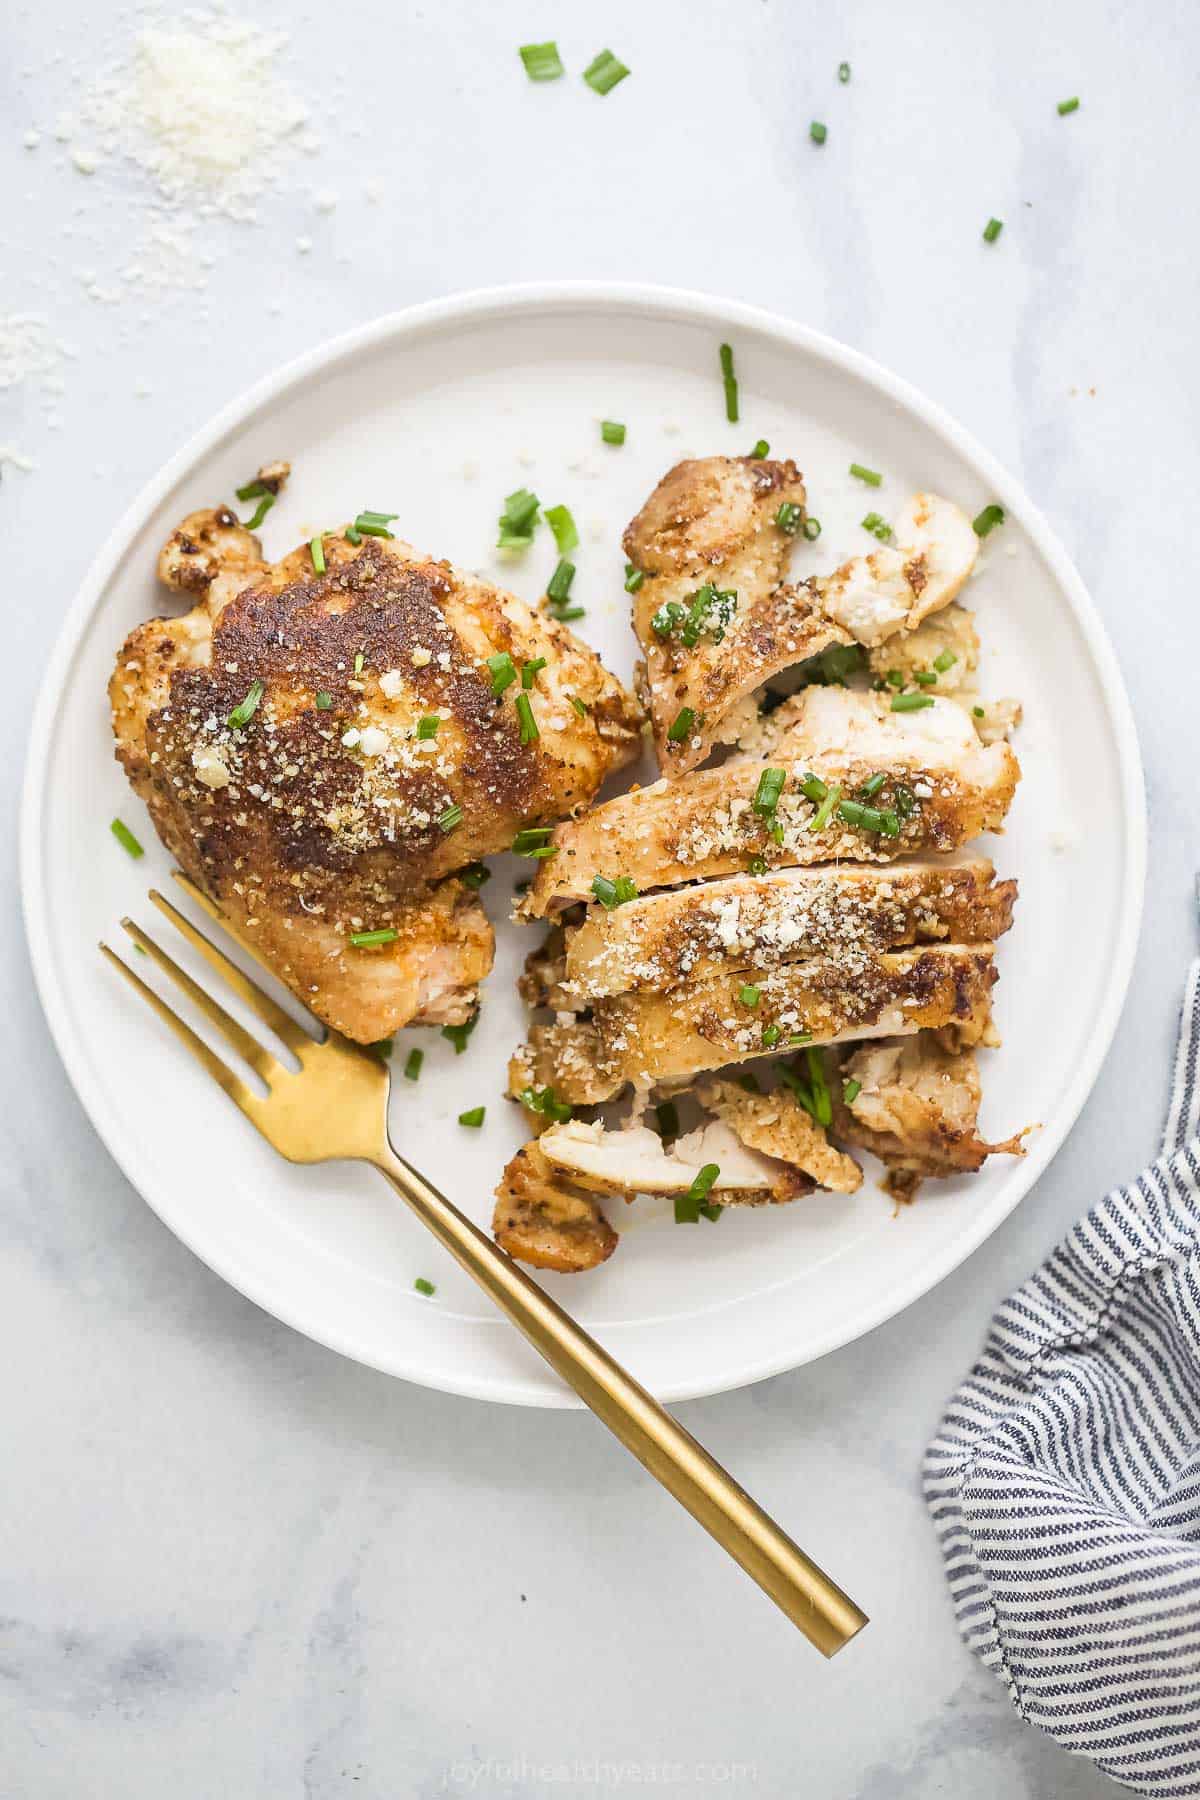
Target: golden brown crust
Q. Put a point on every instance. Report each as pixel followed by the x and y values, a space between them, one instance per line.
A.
pixel 777 1125
pixel 545 1219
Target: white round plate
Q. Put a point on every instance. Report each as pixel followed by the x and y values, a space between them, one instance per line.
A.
pixel 437 414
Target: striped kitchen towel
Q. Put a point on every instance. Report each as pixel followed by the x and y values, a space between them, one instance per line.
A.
pixel 1064 1480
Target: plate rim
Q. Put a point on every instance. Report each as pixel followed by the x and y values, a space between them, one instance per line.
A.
pixel 663 301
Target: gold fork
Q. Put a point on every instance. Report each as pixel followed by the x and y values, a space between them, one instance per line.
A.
pixel 335 1107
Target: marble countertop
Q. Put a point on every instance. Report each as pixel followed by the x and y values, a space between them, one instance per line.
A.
pixel 233 1563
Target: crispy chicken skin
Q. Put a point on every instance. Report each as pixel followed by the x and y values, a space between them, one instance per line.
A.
pixel 778 1125
pixel 917 1108
pixel 544 1218
pixel 321 812
pixel 705 824
pixel 752 923
pixel 712 524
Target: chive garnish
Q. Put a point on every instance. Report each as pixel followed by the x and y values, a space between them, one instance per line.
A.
pixel 977 712
pixel 518 520
pixel 771 1035
pixel 559 584
pixel 126 839
pixel 383 1048
pixel 424 1287
pixel 872 785
pixel 316 550
pixel 877 526
pixel 502 670
pixel 757 865
pixel 634 578
pixel 614 893
pixel 824 812
pixel 242 714
pixel 789 517
pixel 612 431
pixel 530 838
pixel 1068 106
pixel 603 72
pixel 412 1064
pixel 374 524
pixel 542 61
pixel 911 702
pixel 451 818
pixel 817 132
pixel 254 490
pixel 668 1119
pixel 458 1034
pixel 906 800
pixel 992 230
pixel 894 679
pixel 925 677
pixel 761 449
pixel 566 536
pixel 531 670
pixel 529 725
pixel 427 726
pixel 324 700
pixel 820 1087
pixel 750 995
pixel 987 520
pixel 812 529
pixel 365 940
pixel 813 788
pixel 851 1091
pixel 872 477
pixel 688 1206
pixel 945 659
pixel 473 1117
pixel 353 535
pixel 843 73
pixel 730 381
pixel 581 706
pixel 260 512
pixel 766 794
pixel 474 875
pixel 546 1101
pixel 681 727
pixel 359 660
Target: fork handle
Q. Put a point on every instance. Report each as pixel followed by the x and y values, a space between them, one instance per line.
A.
pixel 826 1616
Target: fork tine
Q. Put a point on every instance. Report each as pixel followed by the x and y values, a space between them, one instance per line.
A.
pixel 247 1047
pixel 225 1078
pixel 261 1004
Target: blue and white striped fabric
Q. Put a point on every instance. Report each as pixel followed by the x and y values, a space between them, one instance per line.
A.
pixel 1064 1480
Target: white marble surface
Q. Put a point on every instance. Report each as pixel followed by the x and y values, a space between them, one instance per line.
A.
pixel 234 1564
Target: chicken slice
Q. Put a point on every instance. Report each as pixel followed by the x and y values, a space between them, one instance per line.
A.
pixel 752 923
pixel 645 1038
pixel 634 1161
pixel 933 551
pixel 545 1219
pixel 705 823
pixel 778 1125
pixel 711 615
pixel 319 751
pixel 916 1107
pixel 949 634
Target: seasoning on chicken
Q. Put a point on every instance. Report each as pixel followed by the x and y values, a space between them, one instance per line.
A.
pixel 545 1219
pixel 323 741
pixel 777 1124
pixel 711 614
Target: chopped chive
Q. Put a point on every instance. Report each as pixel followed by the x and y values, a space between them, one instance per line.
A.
pixel 843 73
pixel 503 672
pixel 424 1287
pixel 824 812
pixel 473 1117
pixel 911 702
pixel 254 490
pixel 877 526
pixel 872 785
pixel 668 1119
pixel 761 449
pixel 946 659
pixel 688 1206
pixel 750 995
pixel 353 535
pixel 730 381
pixel 906 800
pixel 452 817
pixel 518 520
pixel 365 940
pixel 581 706
pixel 529 725
pixel 412 1064
pixel 817 132
pixel 925 677
pixel 813 788
pixel 614 893
pixel 789 517
pixel 474 875
pixel 992 230
pixel 359 660
pixel 872 477
pixel 245 710
pixel 126 839
pixel 603 72
pixel 612 431
pixel 546 1101
pixel 324 700
pixel 711 1211
pixel 531 841
pixel 316 550
pixel 559 584
pixel 894 679
pixel 977 712
pixel 771 1035
pixel 987 520
pixel 633 578
pixel 812 529
pixel 851 1091
pixel 542 61
pixel 383 1049
pixel 681 728
pixel 566 535
pixel 260 512
pixel 757 865
pixel 1068 106
pixel 531 670
pixel 458 1034
pixel 891 824
pixel 820 1087
pixel 865 818
pixel 564 614
pixel 374 524
pixel 766 794
pixel 427 726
